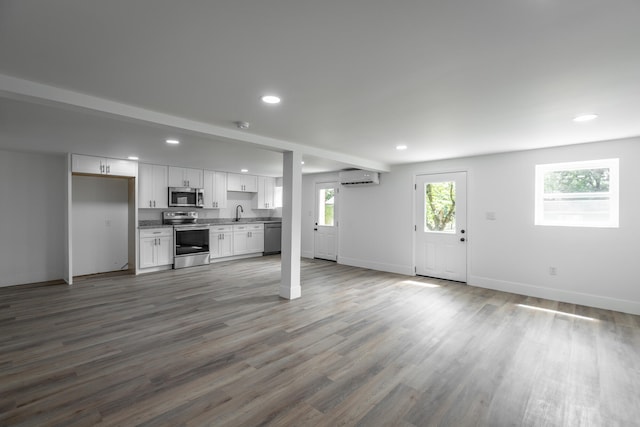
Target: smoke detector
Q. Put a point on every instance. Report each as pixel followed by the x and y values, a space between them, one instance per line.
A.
pixel 242 125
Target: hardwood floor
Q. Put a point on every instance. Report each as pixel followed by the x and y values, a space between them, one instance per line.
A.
pixel 215 345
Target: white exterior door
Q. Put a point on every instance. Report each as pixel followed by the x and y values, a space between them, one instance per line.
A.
pixel 326 228
pixel 441 221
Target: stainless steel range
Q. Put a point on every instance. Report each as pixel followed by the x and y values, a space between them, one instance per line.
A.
pixel 191 240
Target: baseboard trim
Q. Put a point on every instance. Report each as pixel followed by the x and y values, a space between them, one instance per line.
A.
pixel 597 301
pixel 34 284
pixel 305 254
pixel 389 268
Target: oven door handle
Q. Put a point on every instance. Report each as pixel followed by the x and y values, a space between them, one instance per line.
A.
pixel 191 228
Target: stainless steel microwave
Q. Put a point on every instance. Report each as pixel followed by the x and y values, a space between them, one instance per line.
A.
pixel 186 197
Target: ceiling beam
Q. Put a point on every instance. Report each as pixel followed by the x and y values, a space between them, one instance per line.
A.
pixel 16 88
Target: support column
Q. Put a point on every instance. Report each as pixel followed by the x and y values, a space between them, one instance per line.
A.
pixel 291 224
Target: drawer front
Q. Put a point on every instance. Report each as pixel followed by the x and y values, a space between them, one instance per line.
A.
pixel 220 228
pixel 248 227
pixel 156 232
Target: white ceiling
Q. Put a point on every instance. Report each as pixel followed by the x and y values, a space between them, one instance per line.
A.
pixel 357 77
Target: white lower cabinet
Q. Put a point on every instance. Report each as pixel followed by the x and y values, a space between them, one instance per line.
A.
pixel 156 247
pixel 248 239
pixel 220 241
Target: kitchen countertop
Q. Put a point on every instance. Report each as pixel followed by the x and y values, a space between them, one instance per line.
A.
pixel 144 224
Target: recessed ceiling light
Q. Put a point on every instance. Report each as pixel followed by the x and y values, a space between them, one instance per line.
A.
pixel 302 162
pixel 133 158
pixel 244 170
pixel 585 117
pixel 270 99
pixel 401 147
pixel 173 141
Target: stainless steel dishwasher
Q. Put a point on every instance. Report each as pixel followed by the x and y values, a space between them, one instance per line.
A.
pixel 272 237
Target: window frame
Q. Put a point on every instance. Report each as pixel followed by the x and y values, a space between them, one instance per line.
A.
pixel 612 164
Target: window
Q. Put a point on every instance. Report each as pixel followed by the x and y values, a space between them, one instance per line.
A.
pixel 577 194
pixel 277 196
pixel 440 207
pixel 326 203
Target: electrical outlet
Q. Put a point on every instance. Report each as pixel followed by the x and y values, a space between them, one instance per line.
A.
pixel 553 271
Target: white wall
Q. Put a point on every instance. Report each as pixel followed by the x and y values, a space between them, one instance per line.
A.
pixel 100 224
pixel 595 266
pixel 32 209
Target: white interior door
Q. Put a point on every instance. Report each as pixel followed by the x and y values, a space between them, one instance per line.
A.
pixel 326 228
pixel 441 233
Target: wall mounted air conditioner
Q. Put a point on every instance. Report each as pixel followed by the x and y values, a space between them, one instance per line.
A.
pixel 356 177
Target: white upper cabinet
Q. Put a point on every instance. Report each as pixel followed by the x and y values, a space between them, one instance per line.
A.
pixel 215 189
pixel 103 166
pixel 185 177
pixel 152 186
pixel 266 191
pixel 242 182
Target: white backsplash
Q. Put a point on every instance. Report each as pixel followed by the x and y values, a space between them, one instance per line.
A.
pixel 233 199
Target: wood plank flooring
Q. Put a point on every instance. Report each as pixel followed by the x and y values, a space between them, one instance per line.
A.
pixel 215 346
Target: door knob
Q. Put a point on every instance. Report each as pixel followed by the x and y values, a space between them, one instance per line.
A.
pixel 462 231
pixel 462 239
pixel 315 229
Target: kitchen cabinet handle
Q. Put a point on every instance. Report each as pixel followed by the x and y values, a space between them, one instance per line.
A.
pixel 108 168
pixel 154 203
pixel 149 203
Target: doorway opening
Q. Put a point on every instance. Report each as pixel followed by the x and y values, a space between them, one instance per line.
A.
pixel 103 225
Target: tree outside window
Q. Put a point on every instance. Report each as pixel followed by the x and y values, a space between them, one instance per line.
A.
pixel 440 206
pixel 326 207
pixel 577 194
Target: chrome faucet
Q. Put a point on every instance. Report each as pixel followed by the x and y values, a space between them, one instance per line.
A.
pixel 237 213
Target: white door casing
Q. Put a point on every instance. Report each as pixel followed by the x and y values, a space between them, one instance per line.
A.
pixel 326 225
pixel 441 226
